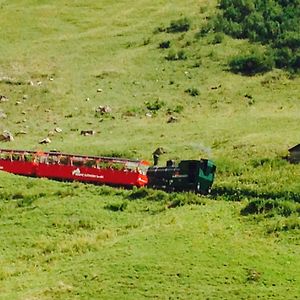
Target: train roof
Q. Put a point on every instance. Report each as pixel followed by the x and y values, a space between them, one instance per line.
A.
pixel 58 153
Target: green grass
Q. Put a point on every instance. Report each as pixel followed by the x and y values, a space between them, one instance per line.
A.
pixel 74 241
pixel 68 245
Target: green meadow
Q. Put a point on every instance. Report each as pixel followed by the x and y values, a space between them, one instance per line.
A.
pixel 60 61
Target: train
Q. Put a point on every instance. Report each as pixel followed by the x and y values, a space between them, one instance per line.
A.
pixel 188 175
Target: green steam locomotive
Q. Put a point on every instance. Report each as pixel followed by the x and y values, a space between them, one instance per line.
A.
pixel 189 175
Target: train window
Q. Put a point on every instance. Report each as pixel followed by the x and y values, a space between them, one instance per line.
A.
pixel 53 159
pixel 6 156
pixel 64 160
pixel 28 157
pixel 90 163
pixel 43 159
pixel 78 161
pixel 16 156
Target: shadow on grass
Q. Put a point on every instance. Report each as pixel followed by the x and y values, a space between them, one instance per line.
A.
pixel 271 208
pixel 21 199
pixel 238 194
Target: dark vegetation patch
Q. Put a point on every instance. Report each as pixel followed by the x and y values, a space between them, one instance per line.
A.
pixel 271 207
pixel 180 25
pixel 234 193
pixel 120 154
pixel 155 105
pixel 284 224
pixel 176 55
pixel 164 45
pixel 192 92
pixel 282 215
pixel 170 199
pixel 218 38
pixel 271 23
pixel 118 206
pixel 21 199
pixel 253 63
pixel 176 26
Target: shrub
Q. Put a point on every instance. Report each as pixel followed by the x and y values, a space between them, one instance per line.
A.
pixel 164 45
pixel 181 55
pixel 283 57
pixel 252 64
pixel 295 63
pixel 204 30
pixel 274 23
pixel 218 38
pixel 288 39
pixel 180 25
pixel 271 207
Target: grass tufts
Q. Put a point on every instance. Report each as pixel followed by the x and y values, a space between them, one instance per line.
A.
pixel 120 206
pixel 176 55
pixel 284 224
pixel 271 208
pixel 192 92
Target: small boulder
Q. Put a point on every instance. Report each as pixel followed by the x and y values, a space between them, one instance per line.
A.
pixel 45 141
pixel 58 130
pixel 3 98
pixel 103 109
pixel 2 115
pixel 6 136
pixel 172 119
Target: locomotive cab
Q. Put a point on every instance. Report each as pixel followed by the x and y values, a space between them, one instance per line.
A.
pixel 188 175
pixel 200 174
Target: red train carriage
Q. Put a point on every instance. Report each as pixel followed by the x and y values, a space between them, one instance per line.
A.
pixel 61 166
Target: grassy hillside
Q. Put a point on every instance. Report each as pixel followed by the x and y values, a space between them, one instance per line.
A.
pixel 59 62
pixel 66 241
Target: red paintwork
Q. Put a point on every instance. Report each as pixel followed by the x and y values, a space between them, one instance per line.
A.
pixel 128 172
pixel 17 167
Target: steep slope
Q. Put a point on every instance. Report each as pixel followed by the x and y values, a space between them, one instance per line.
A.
pixel 58 63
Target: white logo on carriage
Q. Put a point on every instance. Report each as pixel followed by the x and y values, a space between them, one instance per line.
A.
pixel 1 168
pixel 77 173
